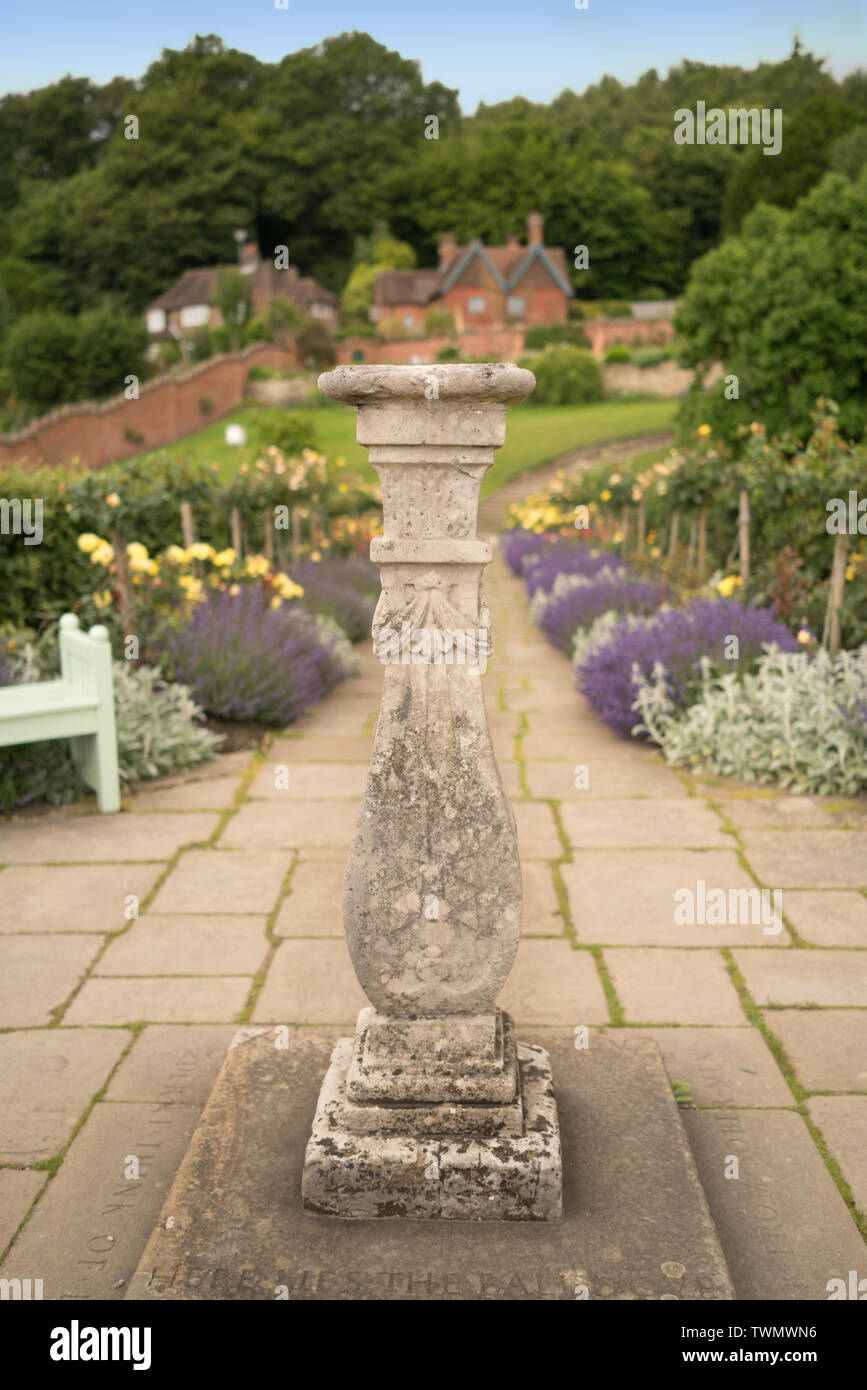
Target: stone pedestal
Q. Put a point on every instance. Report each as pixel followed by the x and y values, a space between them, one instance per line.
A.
pixel 433 1109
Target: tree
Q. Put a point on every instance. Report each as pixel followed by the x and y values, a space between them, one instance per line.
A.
pixel 783 178
pixel 234 299
pixel 110 345
pixel 783 306
pixel 380 251
pixel 41 359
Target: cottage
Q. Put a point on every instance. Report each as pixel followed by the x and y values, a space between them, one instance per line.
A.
pixel 190 302
pixel 509 286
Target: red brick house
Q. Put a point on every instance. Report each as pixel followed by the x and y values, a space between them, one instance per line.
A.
pixel 190 302
pixel 507 286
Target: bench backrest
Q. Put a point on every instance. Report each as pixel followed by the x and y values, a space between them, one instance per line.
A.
pixel 85 659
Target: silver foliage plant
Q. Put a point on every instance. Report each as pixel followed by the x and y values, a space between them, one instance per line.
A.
pixel 331 633
pixel 158 725
pixel 798 720
pixel 564 584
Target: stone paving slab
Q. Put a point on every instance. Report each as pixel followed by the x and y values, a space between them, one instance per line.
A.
pixel 828 1047
pixel 48 1077
pixel 829 918
pixel 36 980
pixel 627 898
pixel 314 904
pixel 783 1225
pixel 805 977
pixel 541 914
pixel 88 1230
pixel 552 985
pixel 103 839
pixel 320 823
pixel 172 1063
pixel 71 897
pixel 206 945
pixel 319 748
pixel 769 812
pixel 276 782
pixel 18 1189
pixel 722 1066
pixel 211 794
pixel 310 982
pixel 640 824
pixel 537 831
pixel 663 986
pixel 808 858
pixel 159 1000
pixel 843 1122
pixel 597 743
pixel 224 881
pixel 598 779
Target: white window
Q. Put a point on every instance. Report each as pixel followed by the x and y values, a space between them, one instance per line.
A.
pixel 320 310
pixel 195 315
pixel 476 305
pixel 515 306
pixel 409 320
pixel 156 320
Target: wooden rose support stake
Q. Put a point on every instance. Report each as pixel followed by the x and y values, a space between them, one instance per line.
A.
pixel 433 1110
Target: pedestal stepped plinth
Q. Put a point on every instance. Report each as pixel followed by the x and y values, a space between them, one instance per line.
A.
pixel 433 1109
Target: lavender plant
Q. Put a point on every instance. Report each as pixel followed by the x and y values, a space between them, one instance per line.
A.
pixel 674 642
pixel 244 659
pixel 616 592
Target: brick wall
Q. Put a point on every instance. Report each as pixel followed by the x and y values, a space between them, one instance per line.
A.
pixel 604 333
pixel 167 409
pixel 506 343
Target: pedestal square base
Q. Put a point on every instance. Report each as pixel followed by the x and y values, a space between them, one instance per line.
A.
pixel 635 1221
pixel 502 1177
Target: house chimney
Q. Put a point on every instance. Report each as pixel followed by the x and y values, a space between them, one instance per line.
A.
pixel 535 229
pixel 513 243
pixel 446 247
pixel 248 258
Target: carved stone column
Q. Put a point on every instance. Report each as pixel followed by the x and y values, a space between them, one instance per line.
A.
pixel 433 1109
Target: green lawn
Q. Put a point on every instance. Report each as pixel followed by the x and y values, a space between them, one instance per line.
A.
pixel 534 435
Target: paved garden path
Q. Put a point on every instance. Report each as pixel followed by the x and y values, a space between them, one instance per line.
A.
pixel 116 1023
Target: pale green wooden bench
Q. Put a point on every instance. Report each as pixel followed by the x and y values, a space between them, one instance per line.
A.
pixel 79 706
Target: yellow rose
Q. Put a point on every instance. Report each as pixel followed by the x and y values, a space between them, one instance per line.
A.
pixel 605 495
pixel 102 600
pixel 225 557
pixel 88 542
pixel 256 565
pixel 704 431
pixel 200 551
pixel 113 500
pixel 103 554
pixel 176 556
pixel 727 585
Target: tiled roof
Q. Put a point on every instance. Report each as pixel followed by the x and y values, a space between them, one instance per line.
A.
pixel 407 286
pixel 508 262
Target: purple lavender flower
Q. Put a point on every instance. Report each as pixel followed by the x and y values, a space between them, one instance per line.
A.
pixel 518 544
pixel 570 557
pixel 678 640
pixel 562 617
pixel 245 660
pixel 345 588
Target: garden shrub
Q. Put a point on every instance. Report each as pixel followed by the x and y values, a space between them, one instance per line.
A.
pixel 542 335
pixel 798 720
pixel 566 376
pixel 618 352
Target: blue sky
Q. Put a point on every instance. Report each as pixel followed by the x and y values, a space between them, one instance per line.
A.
pixel 488 49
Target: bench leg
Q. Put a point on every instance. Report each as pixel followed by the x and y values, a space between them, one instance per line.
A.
pixel 96 758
